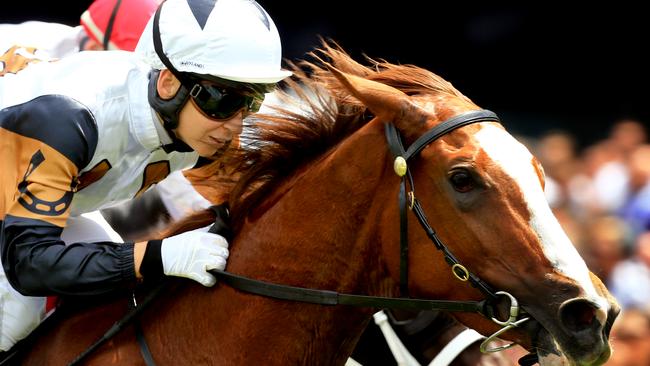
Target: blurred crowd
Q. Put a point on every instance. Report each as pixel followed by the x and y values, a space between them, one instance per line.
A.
pixel 601 196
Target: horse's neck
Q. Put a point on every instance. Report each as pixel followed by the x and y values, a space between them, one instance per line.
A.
pixel 319 234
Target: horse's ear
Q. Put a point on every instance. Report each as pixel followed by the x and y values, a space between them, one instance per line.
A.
pixel 384 101
pixel 381 99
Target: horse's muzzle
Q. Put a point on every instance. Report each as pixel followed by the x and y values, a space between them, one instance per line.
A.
pixel 586 326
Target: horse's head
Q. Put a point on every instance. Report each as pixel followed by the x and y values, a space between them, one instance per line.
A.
pixel 483 192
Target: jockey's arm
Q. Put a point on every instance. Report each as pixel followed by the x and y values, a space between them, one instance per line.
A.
pixel 38 192
pixel 36 196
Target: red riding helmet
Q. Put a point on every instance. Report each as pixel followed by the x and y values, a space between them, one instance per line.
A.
pixel 118 24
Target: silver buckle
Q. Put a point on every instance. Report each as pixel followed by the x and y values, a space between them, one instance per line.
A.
pixel 512 322
pixel 196 89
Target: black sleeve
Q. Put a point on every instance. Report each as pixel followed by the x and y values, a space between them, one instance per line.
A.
pixel 38 263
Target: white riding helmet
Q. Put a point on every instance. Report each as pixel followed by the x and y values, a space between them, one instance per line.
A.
pixel 230 39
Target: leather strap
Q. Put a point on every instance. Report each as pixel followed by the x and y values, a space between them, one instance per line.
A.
pixel 325 297
pixel 139 335
pixel 120 324
pixel 447 126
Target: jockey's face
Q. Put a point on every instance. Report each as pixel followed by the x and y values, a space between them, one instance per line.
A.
pixel 207 135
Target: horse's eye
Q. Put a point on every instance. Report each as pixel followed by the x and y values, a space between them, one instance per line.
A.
pixel 462 181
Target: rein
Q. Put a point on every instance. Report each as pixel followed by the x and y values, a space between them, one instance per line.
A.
pixel 130 317
pixel 325 297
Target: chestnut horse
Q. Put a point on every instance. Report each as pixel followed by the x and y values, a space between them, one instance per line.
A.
pixel 316 207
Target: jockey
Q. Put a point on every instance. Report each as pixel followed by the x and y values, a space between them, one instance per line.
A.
pixel 97 128
pixel 105 25
pixel 99 29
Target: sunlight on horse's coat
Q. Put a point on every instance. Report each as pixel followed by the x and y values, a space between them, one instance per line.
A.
pixel 515 160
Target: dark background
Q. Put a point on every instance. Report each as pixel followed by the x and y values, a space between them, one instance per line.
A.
pixel 579 68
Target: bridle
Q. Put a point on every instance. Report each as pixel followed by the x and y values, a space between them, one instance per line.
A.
pixel 407 199
pixel 401 168
pixel 400 165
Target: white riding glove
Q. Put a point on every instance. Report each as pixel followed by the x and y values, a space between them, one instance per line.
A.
pixel 192 254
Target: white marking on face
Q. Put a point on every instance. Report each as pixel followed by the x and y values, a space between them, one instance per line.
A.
pixel 516 161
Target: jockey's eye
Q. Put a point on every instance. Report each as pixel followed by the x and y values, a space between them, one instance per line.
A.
pixel 462 181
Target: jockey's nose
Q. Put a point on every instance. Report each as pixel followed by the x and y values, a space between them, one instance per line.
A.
pixel 235 124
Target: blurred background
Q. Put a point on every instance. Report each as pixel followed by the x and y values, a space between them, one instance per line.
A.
pixel 570 83
pixel 538 67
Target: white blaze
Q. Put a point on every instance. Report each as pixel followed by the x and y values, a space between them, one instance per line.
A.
pixel 516 161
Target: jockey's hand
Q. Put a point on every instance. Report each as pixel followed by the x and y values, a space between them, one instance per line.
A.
pixel 192 254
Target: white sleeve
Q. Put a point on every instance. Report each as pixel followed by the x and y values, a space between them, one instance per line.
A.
pixel 179 197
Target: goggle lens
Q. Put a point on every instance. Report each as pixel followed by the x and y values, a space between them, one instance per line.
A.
pixel 222 103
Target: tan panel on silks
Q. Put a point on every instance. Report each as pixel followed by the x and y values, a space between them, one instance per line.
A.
pixel 93 175
pixel 153 173
pixel 37 181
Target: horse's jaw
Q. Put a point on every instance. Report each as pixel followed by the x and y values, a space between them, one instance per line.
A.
pixel 570 330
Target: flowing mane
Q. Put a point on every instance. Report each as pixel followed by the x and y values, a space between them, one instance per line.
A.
pixel 316 112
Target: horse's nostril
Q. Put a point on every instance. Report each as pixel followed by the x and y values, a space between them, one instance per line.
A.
pixel 581 314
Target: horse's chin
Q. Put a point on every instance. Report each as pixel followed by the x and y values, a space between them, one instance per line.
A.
pixel 550 353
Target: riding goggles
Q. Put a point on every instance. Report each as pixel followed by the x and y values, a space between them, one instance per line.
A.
pixel 223 103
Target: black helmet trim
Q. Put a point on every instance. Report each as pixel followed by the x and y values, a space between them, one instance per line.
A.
pixel 157 44
pixel 168 109
pixel 201 10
